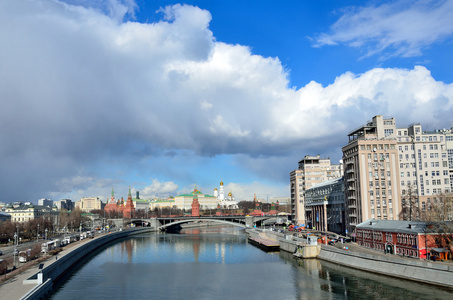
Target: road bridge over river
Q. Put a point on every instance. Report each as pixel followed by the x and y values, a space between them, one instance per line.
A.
pixel 174 222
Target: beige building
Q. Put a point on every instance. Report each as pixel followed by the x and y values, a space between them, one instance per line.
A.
pixel 312 170
pixel 28 212
pixel 423 164
pixel 184 201
pixel 371 166
pixel 90 203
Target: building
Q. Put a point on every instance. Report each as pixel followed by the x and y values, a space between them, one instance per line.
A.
pixel 225 202
pixel 45 202
pixel 161 203
pixel 312 170
pixel 371 166
pixel 206 201
pixel 88 204
pixel 25 213
pixel 325 206
pixel 4 216
pixel 424 167
pixel 406 238
pixel 66 204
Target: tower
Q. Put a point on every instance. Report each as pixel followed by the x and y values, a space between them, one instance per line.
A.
pixel 222 195
pixel 195 204
pixel 129 208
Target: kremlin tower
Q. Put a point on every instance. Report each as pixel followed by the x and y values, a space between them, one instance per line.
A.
pixel 129 208
pixel 195 204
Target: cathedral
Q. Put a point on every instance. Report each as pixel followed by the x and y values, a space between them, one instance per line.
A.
pixel 225 202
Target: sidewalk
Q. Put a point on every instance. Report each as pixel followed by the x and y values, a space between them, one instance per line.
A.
pixel 14 288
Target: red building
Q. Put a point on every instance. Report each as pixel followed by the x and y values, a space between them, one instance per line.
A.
pixel 127 209
pixel 406 238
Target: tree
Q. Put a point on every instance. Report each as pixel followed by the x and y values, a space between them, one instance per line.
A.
pixel 410 208
pixel 439 215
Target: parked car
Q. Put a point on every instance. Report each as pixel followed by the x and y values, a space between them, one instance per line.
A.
pixel 331 243
pixel 1 253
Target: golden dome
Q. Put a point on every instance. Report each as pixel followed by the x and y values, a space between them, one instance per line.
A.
pixel 221 182
pixel 215 189
pixel 230 194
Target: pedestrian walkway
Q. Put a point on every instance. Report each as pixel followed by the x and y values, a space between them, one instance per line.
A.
pixel 14 288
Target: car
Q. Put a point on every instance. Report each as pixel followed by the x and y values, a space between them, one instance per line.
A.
pixel 1 253
pixel 332 243
pixel 347 240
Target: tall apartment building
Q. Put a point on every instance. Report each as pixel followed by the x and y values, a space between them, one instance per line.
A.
pixel 372 186
pixel 448 136
pixel 423 164
pixel 312 170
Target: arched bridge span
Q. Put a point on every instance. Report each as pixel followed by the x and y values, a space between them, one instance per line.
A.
pixel 237 223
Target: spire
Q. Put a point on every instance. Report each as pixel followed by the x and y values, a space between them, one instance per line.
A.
pixel 129 195
pixel 112 193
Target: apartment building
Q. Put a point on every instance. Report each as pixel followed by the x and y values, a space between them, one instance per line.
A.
pixel 423 164
pixel 371 166
pixel 312 170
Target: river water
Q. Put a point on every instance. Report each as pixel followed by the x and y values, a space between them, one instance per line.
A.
pixel 219 263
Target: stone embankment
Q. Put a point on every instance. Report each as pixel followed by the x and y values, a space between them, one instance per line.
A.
pixel 434 273
pixel 44 279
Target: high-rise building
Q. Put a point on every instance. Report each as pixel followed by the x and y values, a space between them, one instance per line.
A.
pixel 423 164
pixel 312 170
pixel 372 186
pixel 45 202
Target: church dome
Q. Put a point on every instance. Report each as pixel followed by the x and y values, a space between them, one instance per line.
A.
pixel 221 182
pixel 230 194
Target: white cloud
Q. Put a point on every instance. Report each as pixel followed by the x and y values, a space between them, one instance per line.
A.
pixel 158 189
pixel 400 28
pixel 82 94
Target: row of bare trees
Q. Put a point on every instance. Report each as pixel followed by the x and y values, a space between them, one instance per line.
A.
pixel 37 227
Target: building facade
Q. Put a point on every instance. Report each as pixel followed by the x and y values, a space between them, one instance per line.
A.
pixel 88 204
pixel 206 201
pixel 406 238
pixel 372 186
pixel 312 170
pixel 25 213
pixel 325 206
pixel 424 167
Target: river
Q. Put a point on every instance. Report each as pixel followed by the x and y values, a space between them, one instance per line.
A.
pixel 219 263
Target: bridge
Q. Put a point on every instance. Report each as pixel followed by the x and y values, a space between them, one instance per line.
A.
pixel 173 223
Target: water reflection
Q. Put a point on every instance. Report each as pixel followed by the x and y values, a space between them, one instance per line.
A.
pixel 218 263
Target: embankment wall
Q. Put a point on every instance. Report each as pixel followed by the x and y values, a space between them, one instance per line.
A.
pixel 390 265
pixel 58 267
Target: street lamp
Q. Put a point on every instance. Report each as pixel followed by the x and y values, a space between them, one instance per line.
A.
pixel 15 248
pixel 46 234
pixel 37 234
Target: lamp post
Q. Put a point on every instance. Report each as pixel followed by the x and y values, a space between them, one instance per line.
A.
pixel 37 234
pixel 15 248
pixel 46 234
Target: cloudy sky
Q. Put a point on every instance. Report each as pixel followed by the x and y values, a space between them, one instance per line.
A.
pixel 162 95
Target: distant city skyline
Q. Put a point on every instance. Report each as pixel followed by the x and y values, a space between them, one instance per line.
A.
pixel 160 95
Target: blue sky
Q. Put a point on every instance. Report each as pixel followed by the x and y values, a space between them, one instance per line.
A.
pixel 162 95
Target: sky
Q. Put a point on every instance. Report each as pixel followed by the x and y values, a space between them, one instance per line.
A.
pixel 161 96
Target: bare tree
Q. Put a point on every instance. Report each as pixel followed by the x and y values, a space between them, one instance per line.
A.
pixel 439 215
pixel 410 208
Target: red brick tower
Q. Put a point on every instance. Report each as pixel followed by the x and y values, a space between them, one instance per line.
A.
pixel 129 209
pixel 195 204
pixel 111 205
